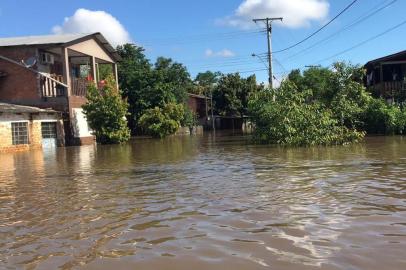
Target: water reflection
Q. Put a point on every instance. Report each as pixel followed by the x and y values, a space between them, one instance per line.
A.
pixel 205 203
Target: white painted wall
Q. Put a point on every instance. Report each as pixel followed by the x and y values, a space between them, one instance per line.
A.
pixel 80 126
pixel 92 48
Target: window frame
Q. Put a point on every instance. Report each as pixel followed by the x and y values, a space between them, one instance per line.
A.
pixel 17 135
pixel 54 133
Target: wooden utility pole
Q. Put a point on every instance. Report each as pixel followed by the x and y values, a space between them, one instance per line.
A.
pixel 268 22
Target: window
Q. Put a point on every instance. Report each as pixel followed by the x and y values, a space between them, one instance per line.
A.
pixel 48 130
pixel 19 133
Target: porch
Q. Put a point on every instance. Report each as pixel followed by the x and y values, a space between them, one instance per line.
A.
pixel 69 73
pixel 386 77
pixel 395 90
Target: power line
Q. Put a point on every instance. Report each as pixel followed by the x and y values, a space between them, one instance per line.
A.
pixel 321 28
pixel 365 41
pixel 199 38
pixel 349 26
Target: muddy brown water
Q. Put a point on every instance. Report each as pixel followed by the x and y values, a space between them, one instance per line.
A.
pixel 205 203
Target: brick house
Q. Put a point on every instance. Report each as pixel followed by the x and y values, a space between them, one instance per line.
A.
pixel 24 127
pixel 198 104
pixel 53 72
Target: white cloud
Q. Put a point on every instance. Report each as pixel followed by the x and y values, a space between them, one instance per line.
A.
pixel 295 13
pixel 223 53
pixel 88 21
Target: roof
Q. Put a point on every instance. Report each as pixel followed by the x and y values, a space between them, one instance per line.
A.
pixel 197 96
pixel 14 108
pixel 392 57
pixel 57 40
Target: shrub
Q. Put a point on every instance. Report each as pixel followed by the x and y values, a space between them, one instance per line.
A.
pixel 106 112
pixel 161 122
pixel 383 118
pixel 189 118
pixel 285 117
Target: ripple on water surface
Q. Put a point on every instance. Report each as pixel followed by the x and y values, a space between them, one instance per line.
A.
pixel 205 203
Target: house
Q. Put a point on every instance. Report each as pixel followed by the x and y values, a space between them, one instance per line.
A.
pixel 24 127
pixel 53 72
pixel 386 76
pixel 199 105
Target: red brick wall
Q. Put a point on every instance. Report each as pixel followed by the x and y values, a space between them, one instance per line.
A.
pixel 197 105
pixel 20 85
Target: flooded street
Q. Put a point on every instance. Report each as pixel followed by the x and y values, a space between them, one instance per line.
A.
pixel 204 203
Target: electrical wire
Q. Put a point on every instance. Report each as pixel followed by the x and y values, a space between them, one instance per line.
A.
pixel 364 42
pixel 330 37
pixel 320 29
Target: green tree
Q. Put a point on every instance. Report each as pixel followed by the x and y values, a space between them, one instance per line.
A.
pixel 350 97
pixel 316 80
pixel 206 81
pixel 106 112
pixel 148 86
pixel 231 94
pixel 175 78
pixel 135 80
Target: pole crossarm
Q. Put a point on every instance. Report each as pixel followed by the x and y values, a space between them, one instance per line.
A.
pixel 268 22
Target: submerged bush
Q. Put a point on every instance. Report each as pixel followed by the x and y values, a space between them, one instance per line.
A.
pixel 383 118
pixel 106 112
pixel 285 116
pixel 161 122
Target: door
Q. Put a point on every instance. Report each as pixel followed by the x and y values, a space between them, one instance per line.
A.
pixel 49 138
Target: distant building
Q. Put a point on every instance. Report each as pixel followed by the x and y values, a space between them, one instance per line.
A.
pixel 386 76
pixel 199 105
pixel 24 127
pixel 53 72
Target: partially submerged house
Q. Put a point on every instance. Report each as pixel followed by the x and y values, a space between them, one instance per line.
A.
pixel 53 72
pixel 386 76
pixel 199 105
pixel 24 127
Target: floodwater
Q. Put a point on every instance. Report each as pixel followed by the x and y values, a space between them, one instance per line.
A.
pixel 205 203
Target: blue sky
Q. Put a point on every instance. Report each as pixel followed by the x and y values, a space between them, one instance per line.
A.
pixel 213 35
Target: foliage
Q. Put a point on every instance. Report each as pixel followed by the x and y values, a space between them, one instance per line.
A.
pixel 231 94
pixel 350 98
pixel 105 111
pixel 148 86
pixel 105 70
pixel 189 118
pixel 383 118
pixel 161 122
pixel 205 82
pixel 341 90
pixel 285 116
pixel 135 76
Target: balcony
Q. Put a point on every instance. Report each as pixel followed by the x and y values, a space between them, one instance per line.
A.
pixel 390 90
pixel 52 86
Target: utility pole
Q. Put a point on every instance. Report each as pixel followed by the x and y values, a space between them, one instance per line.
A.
pixel 313 66
pixel 268 22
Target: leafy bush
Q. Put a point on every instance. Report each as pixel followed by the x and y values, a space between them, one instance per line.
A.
pixel 189 118
pixel 106 112
pixel 285 117
pixel 383 118
pixel 161 122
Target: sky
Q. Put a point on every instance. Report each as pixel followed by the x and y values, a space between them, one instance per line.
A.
pixel 220 35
